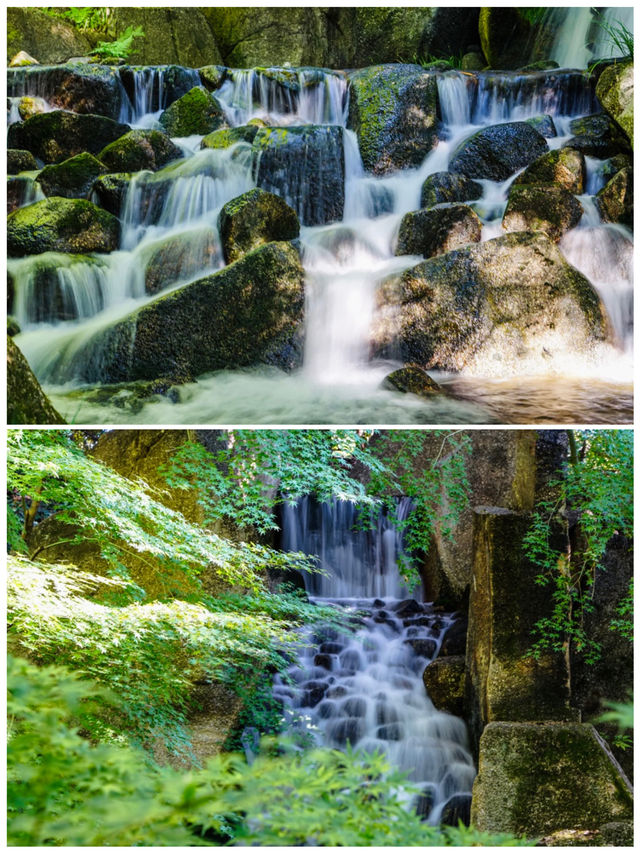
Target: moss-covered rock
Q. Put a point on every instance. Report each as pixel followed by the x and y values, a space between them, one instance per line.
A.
pixel 49 39
pixel 614 90
pixel 448 187
pixel 497 152
pixel 58 135
pixel 393 110
pixel 505 36
pixel 248 313
pixel 486 306
pixel 536 778
pixel 254 218
pixel 305 166
pixel 197 112
pixel 26 401
pixel 73 178
pixel 228 136
pixel 19 160
pixel 173 35
pixel 564 166
pixel 444 680
pixel 473 61
pixel 439 229
pixel 12 327
pixel 180 258
pixel 597 136
pixel 544 124
pixel 139 150
pixel 29 106
pixel 539 207
pixel 61 225
pixel 111 191
pixel 213 76
pixel 83 87
pixel 615 199
pixel 540 65
pixel 411 379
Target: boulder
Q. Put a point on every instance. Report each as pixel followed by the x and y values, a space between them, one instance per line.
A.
pixel 254 218
pixel 444 681
pixel 26 401
pixel 551 209
pixel 73 178
pixel 245 314
pixel 58 135
pixel 31 107
pixel 110 191
pixel 497 152
pixel 411 379
pixel 456 810
pixel 50 39
pixel 614 90
pixel 505 36
pixel 537 778
pixel 180 257
pixel 615 199
pixel 462 309
pixel 564 166
pixel 196 112
pixel 82 87
pixel 12 327
pixel 393 110
pixel 448 187
pixel 61 225
pixel 228 136
pixel 454 641
pixel 543 124
pixel 21 59
pixel 439 229
pixel 473 61
pixel 213 76
pixel 20 161
pixel 305 166
pixel 139 150
pixel 597 136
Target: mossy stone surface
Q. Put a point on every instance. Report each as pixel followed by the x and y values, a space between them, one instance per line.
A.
pixel 172 35
pixel 539 207
pixel 196 112
pixel 439 229
pixel 83 87
pixel 58 135
pixel 26 401
pixel 597 136
pixel 443 187
pixel 111 191
pixel 504 36
pixel 47 39
pixel 614 90
pixel 61 225
pixel 497 152
pixel 564 166
pixel 228 136
pixel 537 778
pixel 544 124
pixel 252 219
pixel 393 111
pixel 19 160
pixel 213 76
pixel 138 150
pixel 73 178
pixel 615 199
pixel 411 379
pixel 444 680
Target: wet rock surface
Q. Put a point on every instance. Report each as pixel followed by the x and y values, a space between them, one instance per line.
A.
pixel 440 229
pixel 498 152
pixel 255 218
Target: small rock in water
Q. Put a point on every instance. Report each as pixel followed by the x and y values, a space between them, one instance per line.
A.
pixel 457 808
pixel 323 661
pixel 407 608
pixel 423 647
pixel 21 59
pixel 331 648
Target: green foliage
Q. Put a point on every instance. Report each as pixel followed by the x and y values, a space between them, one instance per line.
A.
pixel 624 623
pixel 119 48
pixel 64 791
pixel 83 17
pixel 598 490
pixel 533 15
pixel 620 37
pixel 621 714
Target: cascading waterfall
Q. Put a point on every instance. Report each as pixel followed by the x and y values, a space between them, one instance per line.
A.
pixel 580 38
pixel 364 688
pixel 146 96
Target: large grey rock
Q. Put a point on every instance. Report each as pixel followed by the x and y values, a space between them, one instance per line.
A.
pixel 547 208
pixel 305 166
pixel 58 135
pixel 444 680
pixel 393 110
pixel 26 401
pixel 196 112
pixel 20 161
pixel 597 136
pixel 536 778
pixel 252 219
pixel 502 299
pixel 82 87
pixel 447 187
pixel 615 199
pixel 47 39
pixel 563 166
pixel 138 150
pixel 442 228
pixel 497 152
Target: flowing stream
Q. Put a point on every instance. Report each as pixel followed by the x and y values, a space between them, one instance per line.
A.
pixel 170 238
pixel 364 687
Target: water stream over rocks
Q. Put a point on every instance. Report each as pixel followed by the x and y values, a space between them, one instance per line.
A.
pixel 365 688
pixel 67 309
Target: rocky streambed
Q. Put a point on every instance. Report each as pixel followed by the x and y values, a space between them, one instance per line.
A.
pixel 301 245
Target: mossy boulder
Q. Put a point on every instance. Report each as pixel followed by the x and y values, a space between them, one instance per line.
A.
pixel 228 136
pixel 61 225
pixel 411 379
pixel 597 136
pixel 537 778
pixel 504 36
pixel 111 191
pixel 247 313
pixel 83 87
pixel 254 218
pixel 393 111
pixel 19 160
pixel 305 166
pixel 26 401
pixel 544 124
pixel 49 39
pixel 196 112
pixel 539 207
pixel 486 306
pixel 437 230
pixel 497 152
pixel 31 107
pixel 173 35
pixel 444 680
pixel 213 76
pixel 473 61
pixel 564 166
pixel 614 90
pixel 73 178
pixel 139 150
pixel 448 187
pixel 58 135
pixel 615 199
pixel 180 258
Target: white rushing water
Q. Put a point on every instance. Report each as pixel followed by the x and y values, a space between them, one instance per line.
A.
pixel 345 261
pixel 364 688
pixel 582 34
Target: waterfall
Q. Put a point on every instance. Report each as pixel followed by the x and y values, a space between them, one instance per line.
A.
pixel 147 94
pixel 364 688
pixel 580 39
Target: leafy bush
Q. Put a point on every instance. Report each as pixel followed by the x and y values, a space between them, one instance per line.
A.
pixel 119 48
